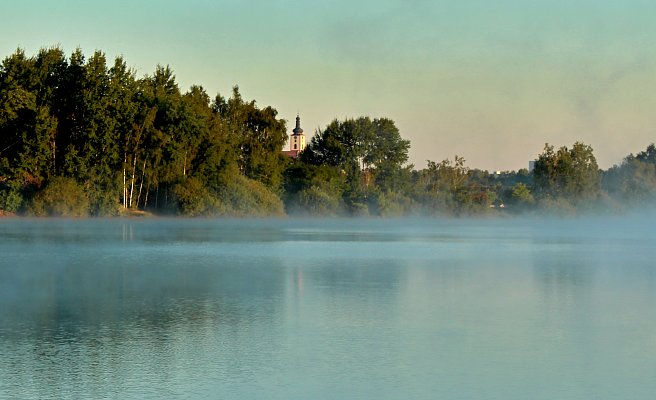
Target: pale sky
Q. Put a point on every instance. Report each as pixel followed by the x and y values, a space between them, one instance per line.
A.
pixel 491 81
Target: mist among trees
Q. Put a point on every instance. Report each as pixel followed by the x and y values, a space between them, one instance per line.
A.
pixel 85 136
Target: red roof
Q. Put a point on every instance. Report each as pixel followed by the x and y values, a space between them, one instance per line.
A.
pixel 291 153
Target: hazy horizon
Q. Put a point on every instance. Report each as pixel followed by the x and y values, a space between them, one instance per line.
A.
pixel 491 82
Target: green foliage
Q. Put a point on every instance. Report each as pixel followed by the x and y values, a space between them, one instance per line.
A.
pixel 246 197
pixel 633 182
pixel 62 197
pixel 358 209
pixel 370 153
pixel 83 135
pixel 194 199
pixel 358 144
pixel 648 156
pixel 103 193
pixel 556 206
pixel 570 173
pixel 314 189
pixel 441 187
pixel 258 137
pixel 131 142
pixel 10 199
pixel 392 204
pixel 521 195
pixel 317 201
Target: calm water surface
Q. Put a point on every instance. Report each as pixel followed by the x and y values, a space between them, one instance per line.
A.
pixel 328 309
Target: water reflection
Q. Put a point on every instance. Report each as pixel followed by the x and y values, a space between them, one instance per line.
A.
pixel 324 309
pixel 105 339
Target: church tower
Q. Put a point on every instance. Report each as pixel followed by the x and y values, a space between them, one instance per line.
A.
pixel 297 142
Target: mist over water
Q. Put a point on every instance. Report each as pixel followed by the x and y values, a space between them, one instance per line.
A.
pixel 318 308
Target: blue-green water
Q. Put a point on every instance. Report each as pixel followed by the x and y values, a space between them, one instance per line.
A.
pixel 328 309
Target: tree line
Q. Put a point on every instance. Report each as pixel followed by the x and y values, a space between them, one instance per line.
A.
pixel 83 136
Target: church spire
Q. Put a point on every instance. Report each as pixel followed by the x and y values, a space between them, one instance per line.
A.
pixel 298 130
pixel 296 139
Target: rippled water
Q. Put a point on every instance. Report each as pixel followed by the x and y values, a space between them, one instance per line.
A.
pixel 328 309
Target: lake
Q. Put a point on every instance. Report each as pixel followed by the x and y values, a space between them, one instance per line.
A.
pixel 328 309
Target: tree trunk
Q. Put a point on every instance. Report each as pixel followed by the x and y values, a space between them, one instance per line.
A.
pixel 146 199
pixel 143 173
pixel 125 189
pixel 134 171
pixel 54 157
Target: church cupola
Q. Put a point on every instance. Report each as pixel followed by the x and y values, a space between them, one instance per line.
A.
pixel 297 142
pixel 298 130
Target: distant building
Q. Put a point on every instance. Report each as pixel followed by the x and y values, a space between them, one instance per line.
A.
pixel 531 165
pixel 296 140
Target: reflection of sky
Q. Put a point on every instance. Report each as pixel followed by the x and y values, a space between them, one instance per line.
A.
pixel 489 80
pixel 405 309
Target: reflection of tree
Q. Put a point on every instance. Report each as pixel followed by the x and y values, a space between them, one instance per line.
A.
pixel 559 273
pixel 158 293
pixel 89 318
pixel 359 276
pixel 564 280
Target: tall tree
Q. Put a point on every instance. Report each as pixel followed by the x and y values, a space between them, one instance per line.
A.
pixel 371 154
pixel 360 143
pixel 634 180
pixel 571 173
pixel 258 136
pixel 27 126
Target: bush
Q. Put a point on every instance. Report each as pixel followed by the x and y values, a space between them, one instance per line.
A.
pixel 194 199
pixel 392 204
pixel 357 209
pixel 318 202
pixel 103 194
pixel 62 197
pixel 104 205
pixel 10 200
pixel 242 196
pixel 556 206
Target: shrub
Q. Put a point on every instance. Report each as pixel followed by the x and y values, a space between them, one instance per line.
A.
pixel 242 196
pixel 194 199
pixel 317 201
pixel 103 201
pixel 556 206
pixel 392 204
pixel 10 200
pixel 62 197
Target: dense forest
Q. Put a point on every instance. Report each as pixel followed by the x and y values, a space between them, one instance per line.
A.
pixel 80 136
